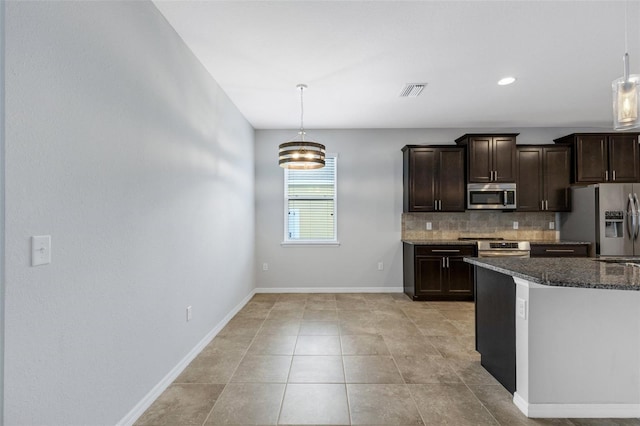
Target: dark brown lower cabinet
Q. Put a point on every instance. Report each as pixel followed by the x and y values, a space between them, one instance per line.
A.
pixel 559 250
pixel 438 272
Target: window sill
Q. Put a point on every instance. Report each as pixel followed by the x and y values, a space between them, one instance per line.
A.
pixel 310 243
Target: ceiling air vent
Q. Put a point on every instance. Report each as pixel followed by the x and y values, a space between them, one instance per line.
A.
pixel 412 90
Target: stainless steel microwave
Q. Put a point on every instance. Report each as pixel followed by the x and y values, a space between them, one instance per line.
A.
pixel 497 196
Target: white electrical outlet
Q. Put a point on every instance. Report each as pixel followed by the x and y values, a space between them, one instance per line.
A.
pixel 428 226
pixel 515 224
pixel 265 266
pixel 380 266
pixel 189 315
pixel 40 250
pixel 552 225
pixel 522 308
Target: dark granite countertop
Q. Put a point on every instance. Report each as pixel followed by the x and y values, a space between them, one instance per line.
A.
pixel 473 242
pixel 568 272
pixel 440 242
pixel 533 242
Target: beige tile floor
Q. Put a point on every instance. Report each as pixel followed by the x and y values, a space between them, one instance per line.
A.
pixel 340 359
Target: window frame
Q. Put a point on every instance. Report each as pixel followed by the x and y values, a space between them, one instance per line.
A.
pixel 330 242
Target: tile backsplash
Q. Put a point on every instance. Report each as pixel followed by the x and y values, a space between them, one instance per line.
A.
pixel 532 226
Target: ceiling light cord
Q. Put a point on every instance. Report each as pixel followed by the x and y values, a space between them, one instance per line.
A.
pixel 301 87
pixel 625 58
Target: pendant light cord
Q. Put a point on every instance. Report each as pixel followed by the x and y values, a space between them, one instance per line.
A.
pixel 626 26
pixel 301 112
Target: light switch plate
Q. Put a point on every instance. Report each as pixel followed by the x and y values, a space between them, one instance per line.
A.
pixel 552 225
pixel 515 225
pixel 40 250
pixel 428 226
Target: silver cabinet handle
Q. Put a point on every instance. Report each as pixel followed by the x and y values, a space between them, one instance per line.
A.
pixel 546 204
pixel 435 204
pixel 495 175
pixel 443 262
pixel 447 262
pixel 541 204
pixel 606 175
pixel 614 175
pixel 446 251
pixel 559 250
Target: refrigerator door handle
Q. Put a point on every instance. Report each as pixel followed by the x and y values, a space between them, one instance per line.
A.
pixel 637 209
pixel 631 218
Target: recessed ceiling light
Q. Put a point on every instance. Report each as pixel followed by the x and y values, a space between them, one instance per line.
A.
pixel 506 80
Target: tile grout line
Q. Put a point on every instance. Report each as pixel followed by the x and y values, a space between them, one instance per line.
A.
pixel 286 385
pixel 344 374
pixel 236 369
pixel 415 403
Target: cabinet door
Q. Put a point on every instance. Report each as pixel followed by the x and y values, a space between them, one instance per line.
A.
pixel 623 158
pixel 504 158
pixel 557 178
pixel 422 179
pixel 529 182
pixel 480 165
pixel 591 158
pixel 451 183
pixel 460 277
pixel 429 276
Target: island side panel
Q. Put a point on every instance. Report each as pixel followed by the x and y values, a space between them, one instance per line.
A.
pixel 496 325
pixel 408 266
pixel 578 352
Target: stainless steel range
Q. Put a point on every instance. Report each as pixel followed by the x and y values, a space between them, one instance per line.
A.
pixel 497 247
pixel 504 249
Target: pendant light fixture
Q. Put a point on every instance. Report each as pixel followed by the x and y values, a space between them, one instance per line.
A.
pixel 301 154
pixel 626 93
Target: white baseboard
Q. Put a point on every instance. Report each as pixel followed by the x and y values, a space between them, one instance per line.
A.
pixel 157 390
pixel 329 290
pixel 576 410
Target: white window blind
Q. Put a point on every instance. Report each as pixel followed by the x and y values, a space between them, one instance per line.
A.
pixel 310 204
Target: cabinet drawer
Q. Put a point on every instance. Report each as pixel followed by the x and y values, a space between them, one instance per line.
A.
pixel 445 251
pixel 559 250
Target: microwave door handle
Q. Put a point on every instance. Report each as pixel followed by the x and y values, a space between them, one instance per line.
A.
pixel 504 200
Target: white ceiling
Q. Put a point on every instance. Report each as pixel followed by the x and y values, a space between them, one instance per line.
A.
pixel 356 56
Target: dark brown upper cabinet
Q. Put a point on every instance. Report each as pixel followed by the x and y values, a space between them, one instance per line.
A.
pixel 544 177
pixel 603 157
pixel 433 178
pixel 490 158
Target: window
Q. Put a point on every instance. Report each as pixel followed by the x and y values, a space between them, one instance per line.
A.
pixel 310 204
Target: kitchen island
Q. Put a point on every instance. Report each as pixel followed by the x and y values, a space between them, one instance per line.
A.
pixel 562 334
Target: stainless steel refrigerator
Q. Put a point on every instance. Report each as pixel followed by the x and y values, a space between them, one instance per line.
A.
pixel 606 215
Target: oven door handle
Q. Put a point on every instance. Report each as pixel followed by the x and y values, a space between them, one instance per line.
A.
pixel 519 253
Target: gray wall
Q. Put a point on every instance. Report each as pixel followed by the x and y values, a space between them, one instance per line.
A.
pixel 369 207
pixel 121 147
pixel 2 167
